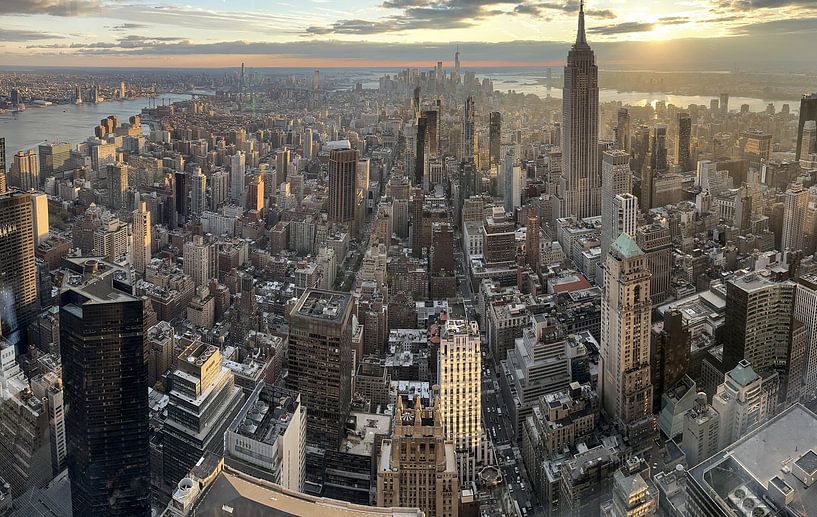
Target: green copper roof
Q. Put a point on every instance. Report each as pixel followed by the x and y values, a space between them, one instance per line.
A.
pixel 626 246
pixel 743 374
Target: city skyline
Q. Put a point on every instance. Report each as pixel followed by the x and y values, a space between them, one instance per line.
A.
pixel 713 34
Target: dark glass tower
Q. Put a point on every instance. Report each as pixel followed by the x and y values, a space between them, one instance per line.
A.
pixel 105 374
pixel 494 137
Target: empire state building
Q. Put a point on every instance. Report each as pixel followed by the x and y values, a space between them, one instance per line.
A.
pixel 579 190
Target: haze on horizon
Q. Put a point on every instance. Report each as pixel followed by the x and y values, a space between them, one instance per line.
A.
pixel 753 35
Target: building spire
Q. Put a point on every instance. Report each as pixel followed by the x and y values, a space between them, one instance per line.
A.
pixel 581 40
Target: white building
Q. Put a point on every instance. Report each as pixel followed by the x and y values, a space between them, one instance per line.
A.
pixel 141 238
pixel 460 380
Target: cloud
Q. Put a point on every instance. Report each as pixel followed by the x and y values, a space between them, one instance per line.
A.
pixel 128 26
pixel 16 36
pixel 779 27
pixel 544 9
pixel 418 14
pixel 52 7
pixel 631 27
pixel 744 5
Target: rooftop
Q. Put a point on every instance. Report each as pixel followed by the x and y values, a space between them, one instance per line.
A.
pixel 322 305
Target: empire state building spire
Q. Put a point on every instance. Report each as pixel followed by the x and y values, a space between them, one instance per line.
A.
pixel 581 40
pixel 579 187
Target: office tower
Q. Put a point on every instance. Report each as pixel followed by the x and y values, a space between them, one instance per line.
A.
pixel 203 401
pixel 282 161
pixel 161 341
pixel 433 131
pixel 622 132
pixel 669 354
pixel 316 80
pixel 758 321
pixel 111 239
pixel 640 150
pixel 25 449
pixel 255 192
pixel 755 147
pixel 420 152
pixel 25 170
pixel 308 142
pixel 467 147
pixel 455 75
pixel 701 436
pixel 808 144
pixel 198 192
pixel 494 137
pixel 808 111
pixel 724 104
pixel 237 163
pixel 417 466
pixel 18 278
pixel 586 480
pixel 102 344
pixel 416 206
pixel 199 260
pixel 266 439
pixel 39 211
pixel 460 381
pixel 3 170
pixel 320 363
pixel 117 185
pixel 142 238
pixel 805 310
pixel 625 338
pixel 48 387
pixel 794 215
pixel 532 238
pixel 658 149
pixel 740 403
pixel 623 218
pixel 615 180
pixel 655 241
pixel 580 185
pixel 342 185
pixel 53 158
pixel 442 247
pixel 512 177
pixel 682 155
pixel 219 188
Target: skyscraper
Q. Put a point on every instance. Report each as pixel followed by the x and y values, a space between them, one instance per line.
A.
pixel 467 147
pixel 342 184
pixel 142 238
pixel 417 465
pixel 39 212
pixel 18 279
pixel 198 192
pixel 420 153
pixel 724 104
pixel 494 138
pixel 580 184
pixel 25 170
pixel 532 238
pixel 104 368
pixel 459 368
pixel 794 215
pixel 53 158
pixel 199 260
pixel 623 130
pixel 684 136
pixel 808 111
pixel 758 320
pixel 117 185
pixel 3 170
pixel 237 164
pixel 658 149
pixel 320 363
pixel 615 179
pixel 625 339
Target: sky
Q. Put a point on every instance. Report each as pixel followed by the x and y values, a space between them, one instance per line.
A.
pixel 684 34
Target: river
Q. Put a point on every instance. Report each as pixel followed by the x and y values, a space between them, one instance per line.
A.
pixel 66 122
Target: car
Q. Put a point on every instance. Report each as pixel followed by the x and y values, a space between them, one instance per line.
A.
pixel 510 488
